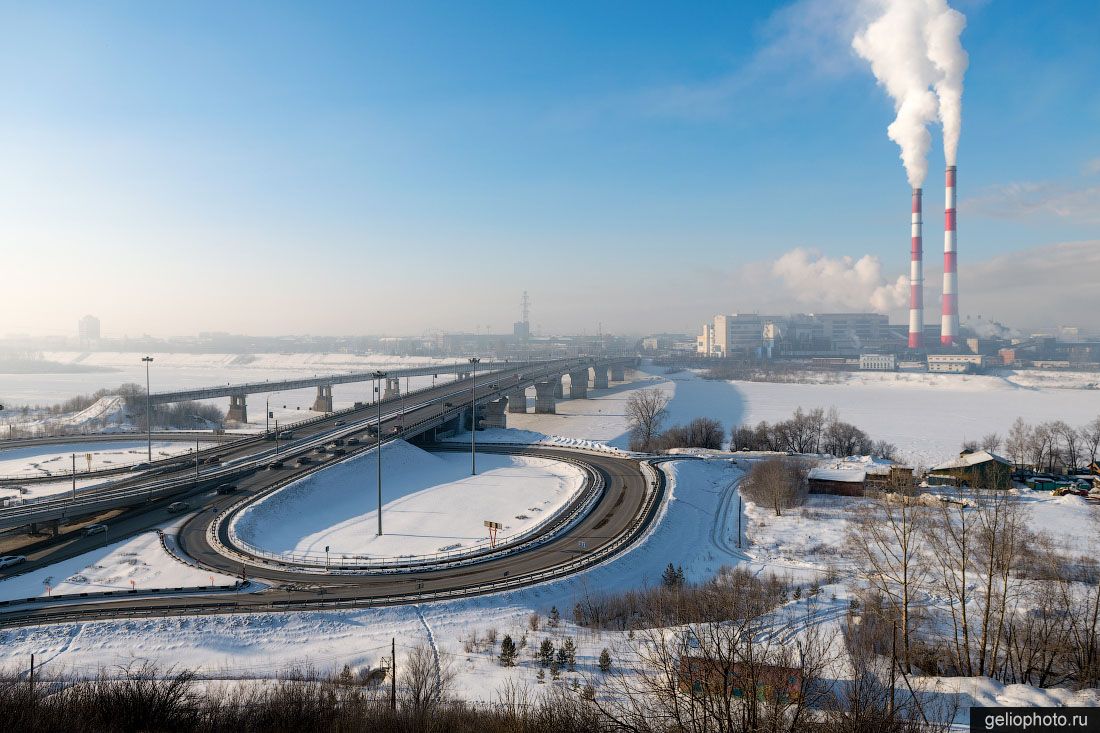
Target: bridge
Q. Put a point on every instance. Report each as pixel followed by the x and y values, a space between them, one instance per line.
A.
pixel 480 399
pixel 237 393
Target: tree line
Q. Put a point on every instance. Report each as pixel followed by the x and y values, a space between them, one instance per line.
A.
pixel 812 431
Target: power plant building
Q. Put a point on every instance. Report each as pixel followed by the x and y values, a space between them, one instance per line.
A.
pixel 750 334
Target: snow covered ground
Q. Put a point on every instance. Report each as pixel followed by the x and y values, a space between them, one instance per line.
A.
pixel 141 559
pixel 56 459
pixel 697 530
pixel 431 504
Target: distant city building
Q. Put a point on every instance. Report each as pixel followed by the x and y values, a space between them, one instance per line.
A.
pixel 799 334
pixel 955 363
pixel 87 329
pixel 878 362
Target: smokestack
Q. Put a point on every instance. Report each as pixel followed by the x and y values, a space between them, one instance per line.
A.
pixel 949 324
pixel 916 277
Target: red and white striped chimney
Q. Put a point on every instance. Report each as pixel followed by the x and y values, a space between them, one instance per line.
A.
pixel 949 324
pixel 916 277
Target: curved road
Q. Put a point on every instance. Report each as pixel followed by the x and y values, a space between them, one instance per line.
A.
pixel 626 508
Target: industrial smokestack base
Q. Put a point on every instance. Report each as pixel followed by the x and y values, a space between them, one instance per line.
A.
pixel 916 276
pixel 949 322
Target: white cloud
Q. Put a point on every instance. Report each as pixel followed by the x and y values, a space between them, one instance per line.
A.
pixel 844 283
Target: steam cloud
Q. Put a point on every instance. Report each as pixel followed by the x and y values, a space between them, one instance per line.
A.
pixel 840 283
pixel 915 54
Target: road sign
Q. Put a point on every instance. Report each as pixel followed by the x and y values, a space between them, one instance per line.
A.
pixel 493 527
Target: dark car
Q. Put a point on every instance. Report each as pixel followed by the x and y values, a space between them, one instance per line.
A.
pixel 339 452
pixel 305 461
pixel 226 488
pixel 352 441
pixel 274 465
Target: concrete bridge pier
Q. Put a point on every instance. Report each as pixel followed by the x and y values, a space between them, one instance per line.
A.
pixel 617 374
pixel 393 388
pixel 578 384
pixel 323 403
pixel 495 417
pixel 544 398
pixel 599 377
pixel 238 409
pixel 559 390
pixel 517 401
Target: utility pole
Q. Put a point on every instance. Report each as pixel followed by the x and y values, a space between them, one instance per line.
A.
pixel 148 409
pixel 31 679
pixel 738 520
pixel 378 377
pixel 74 476
pixel 473 416
pixel 393 673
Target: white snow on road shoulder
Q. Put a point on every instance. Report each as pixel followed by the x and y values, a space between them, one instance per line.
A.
pixel 141 559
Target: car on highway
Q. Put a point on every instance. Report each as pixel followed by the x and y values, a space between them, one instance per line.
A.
pixel 178 506
pixel 139 467
pixel 338 423
pixel 305 461
pixel 286 435
pixel 339 452
pixel 8 560
pixel 226 489
pixel 92 529
pixel 352 441
pixel 274 465
pixel 213 460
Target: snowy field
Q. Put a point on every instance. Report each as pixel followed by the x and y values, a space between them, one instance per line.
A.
pixel 56 459
pixel 431 504
pixel 141 559
pixel 702 506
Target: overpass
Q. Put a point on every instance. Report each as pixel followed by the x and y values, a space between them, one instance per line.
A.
pixel 430 413
pixel 237 393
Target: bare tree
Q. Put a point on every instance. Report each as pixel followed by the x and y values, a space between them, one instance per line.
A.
pixel 990 442
pixel 702 432
pixel 1018 442
pixel 778 483
pixel 1090 439
pixel 887 542
pixel 646 410
pixel 425 680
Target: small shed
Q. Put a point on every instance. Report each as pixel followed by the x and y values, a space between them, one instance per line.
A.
pixel 841 481
pixel 978 469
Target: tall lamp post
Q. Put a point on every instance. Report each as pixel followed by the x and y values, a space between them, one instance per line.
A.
pixel 378 377
pixel 473 417
pixel 148 409
pixel 198 421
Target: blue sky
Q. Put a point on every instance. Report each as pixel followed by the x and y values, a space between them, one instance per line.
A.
pixel 391 167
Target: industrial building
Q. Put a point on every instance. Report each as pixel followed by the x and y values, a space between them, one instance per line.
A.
pixel 878 362
pixel 802 334
pixel 955 363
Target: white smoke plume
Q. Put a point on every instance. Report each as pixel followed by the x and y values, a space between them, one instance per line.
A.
pixel 840 283
pixel 915 54
pixel 946 51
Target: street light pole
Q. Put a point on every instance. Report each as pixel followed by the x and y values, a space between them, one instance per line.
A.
pixel 378 377
pixel 148 409
pixel 473 417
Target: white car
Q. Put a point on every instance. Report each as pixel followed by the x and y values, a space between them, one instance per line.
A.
pixel 9 560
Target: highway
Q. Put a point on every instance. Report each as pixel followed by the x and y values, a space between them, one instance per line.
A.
pixel 628 499
pixel 627 505
pixel 237 460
